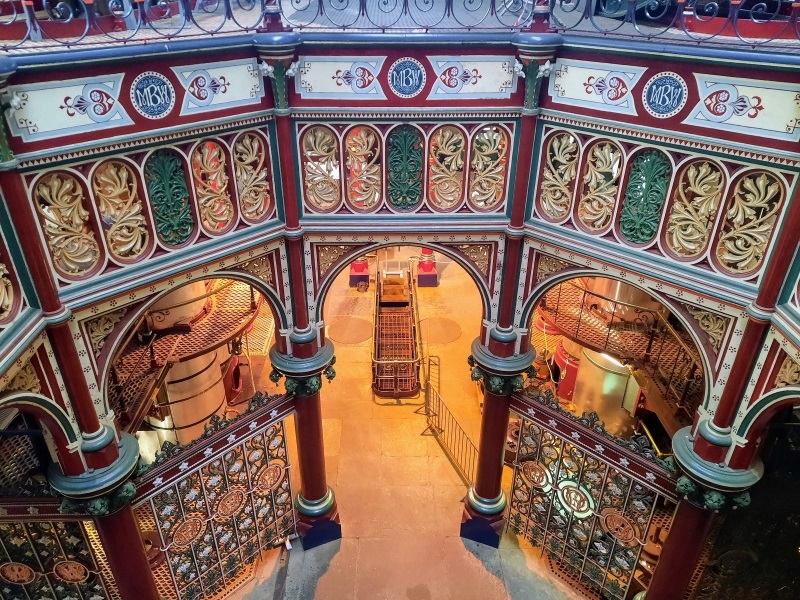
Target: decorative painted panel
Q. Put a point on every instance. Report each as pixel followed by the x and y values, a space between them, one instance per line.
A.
pixel 746 106
pixel 67 226
pixel 61 108
pixel 589 516
pixel 489 167
pixel 363 175
pixel 749 222
pixel 339 78
pixel 645 193
pixel 596 86
pixel 52 560
pixel 472 77
pixel 116 192
pixel 405 148
pixel 600 185
pixel 321 168
pixel 169 197
pixel 220 85
pixel 211 187
pixel 695 200
pixel 220 516
pixel 446 167
pixel 558 176
pixel 7 293
pixel 251 161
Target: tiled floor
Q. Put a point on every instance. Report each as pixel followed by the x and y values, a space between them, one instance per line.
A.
pixel 399 498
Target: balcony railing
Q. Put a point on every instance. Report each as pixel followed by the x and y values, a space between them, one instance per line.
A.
pixel 46 25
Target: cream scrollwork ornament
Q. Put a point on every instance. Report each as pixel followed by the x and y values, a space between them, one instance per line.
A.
pixel 321 171
pixel 59 199
pixel 749 222
pixel 600 185
pixel 327 257
pixel 6 293
pixel 712 324
pixel 211 183
pixel 446 167
pixel 488 167
pixel 559 175
pixel 478 254
pixel 696 200
pixel 116 191
pixel 252 178
pixel 100 328
pixel 788 374
pixel 363 152
pixel 26 380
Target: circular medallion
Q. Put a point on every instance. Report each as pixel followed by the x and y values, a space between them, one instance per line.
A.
pixel 230 503
pixel 537 475
pixel 14 572
pixel 406 77
pixel 187 532
pixel 665 95
pixel 575 499
pixel 70 571
pixel 270 477
pixel 152 95
pixel 621 527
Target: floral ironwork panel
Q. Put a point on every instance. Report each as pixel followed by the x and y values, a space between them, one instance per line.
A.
pixel 695 201
pixel 169 197
pixel 749 222
pixel 590 518
pixel 600 185
pixel 250 160
pixel 644 197
pixel 558 177
pixel 446 167
pixel 488 167
pixel 67 229
pixel 363 173
pixel 223 515
pixel 52 560
pixel 405 149
pixel 321 168
pixel 116 192
pixel 211 184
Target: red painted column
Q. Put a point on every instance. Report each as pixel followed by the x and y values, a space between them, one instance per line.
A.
pixel 494 429
pixel 310 447
pixel 283 128
pixel 780 259
pixel 122 542
pixel 682 549
pixel 64 351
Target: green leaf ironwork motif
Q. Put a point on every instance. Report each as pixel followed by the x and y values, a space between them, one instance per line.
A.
pixel 405 167
pixel 169 195
pixel 644 197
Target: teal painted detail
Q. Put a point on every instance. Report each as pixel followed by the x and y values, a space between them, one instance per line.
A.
pixel 279 89
pixel 776 396
pixel 644 197
pixel 169 196
pixel 276 167
pixel 533 84
pixel 405 167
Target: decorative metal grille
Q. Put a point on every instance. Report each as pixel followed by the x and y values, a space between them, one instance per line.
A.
pixel 217 517
pixel 53 560
pixel 597 522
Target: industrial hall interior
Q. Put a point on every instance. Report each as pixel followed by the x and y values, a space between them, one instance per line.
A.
pixel 399 299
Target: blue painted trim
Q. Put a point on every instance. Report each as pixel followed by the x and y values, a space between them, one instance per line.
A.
pixel 671 271
pixel 17 337
pixel 17 256
pixel 533 183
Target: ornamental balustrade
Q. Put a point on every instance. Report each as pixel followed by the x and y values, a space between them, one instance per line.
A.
pixel 53 24
pixel 598 506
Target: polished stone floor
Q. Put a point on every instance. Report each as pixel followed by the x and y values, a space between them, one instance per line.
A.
pixel 399 498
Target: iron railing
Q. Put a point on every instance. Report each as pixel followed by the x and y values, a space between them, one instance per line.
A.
pixel 640 336
pixel 458 446
pixel 54 24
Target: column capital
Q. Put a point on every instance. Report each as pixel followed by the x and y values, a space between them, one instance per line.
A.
pixel 96 483
pixel 303 375
pixel 712 486
pixel 492 364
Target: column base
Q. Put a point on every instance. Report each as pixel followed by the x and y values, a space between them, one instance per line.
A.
pixel 482 528
pixel 318 530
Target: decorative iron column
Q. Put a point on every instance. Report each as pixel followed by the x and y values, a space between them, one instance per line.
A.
pixel 318 518
pixel 706 488
pixel 484 511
